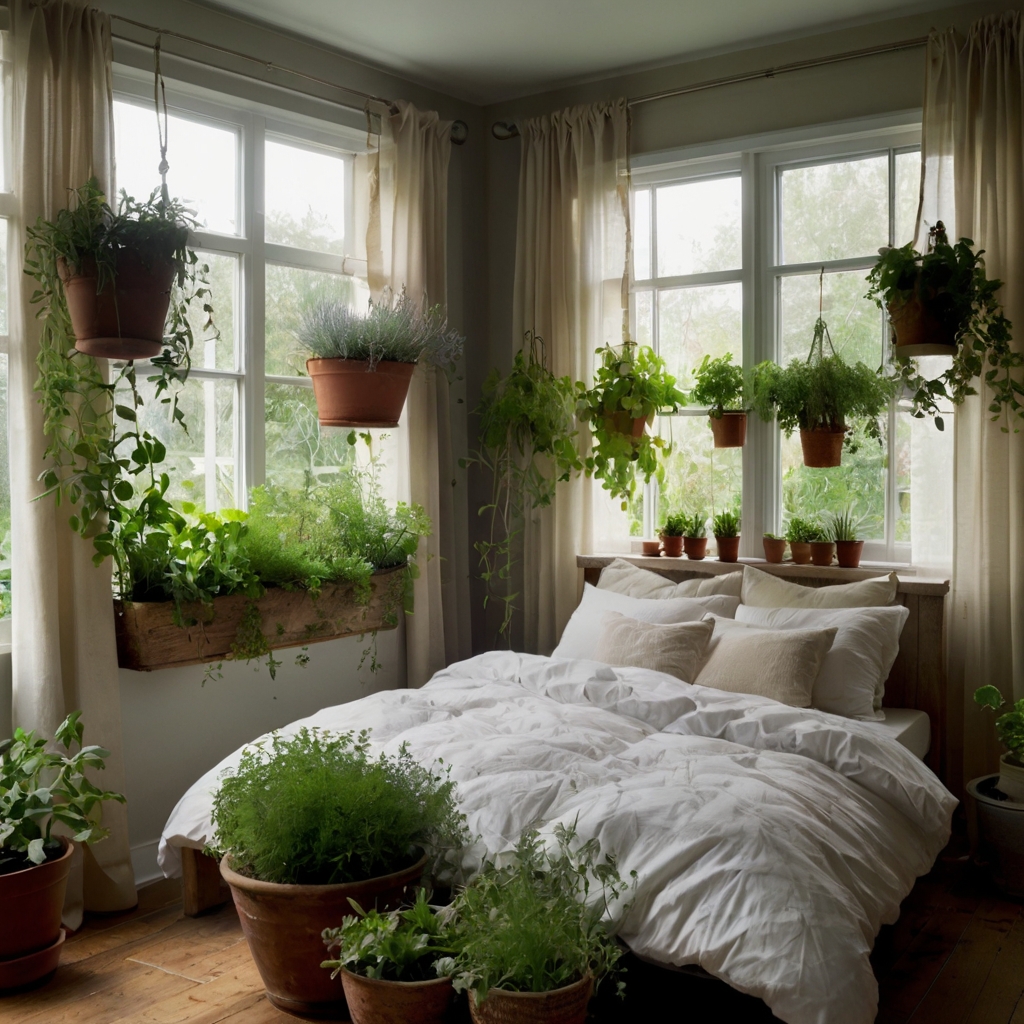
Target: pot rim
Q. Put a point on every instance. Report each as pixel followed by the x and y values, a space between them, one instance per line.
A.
pixel 331 360
pixel 69 849
pixel 587 979
pixel 1013 806
pixel 382 982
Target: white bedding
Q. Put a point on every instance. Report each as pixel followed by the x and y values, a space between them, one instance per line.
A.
pixel 771 842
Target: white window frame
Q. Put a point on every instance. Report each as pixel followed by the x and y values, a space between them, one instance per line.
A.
pixel 759 162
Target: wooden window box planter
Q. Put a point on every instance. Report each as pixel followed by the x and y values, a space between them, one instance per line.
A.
pixel 148 639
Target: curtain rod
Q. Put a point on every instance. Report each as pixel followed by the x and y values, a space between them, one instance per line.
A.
pixel 460 130
pixel 503 130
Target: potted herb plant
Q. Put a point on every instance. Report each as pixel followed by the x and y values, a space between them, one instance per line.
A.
pixel 844 532
pixel 672 535
pixel 823 548
pixel 774 548
pixel 695 535
pixel 534 936
pixel 632 385
pixel 720 387
pixel 361 366
pixel 387 963
pixel 995 810
pixel 41 788
pixel 819 396
pixel 800 532
pixel 308 822
pixel 726 528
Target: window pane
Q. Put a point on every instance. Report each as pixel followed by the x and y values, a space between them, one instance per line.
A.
pixel 854 322
pixel 858 485
pixel 695 321
pixel 211 350
pixel 288 289
pixel 5 496
pixel 644 316
pixel 3 279
pixel 699 227
pixel 698 476
pixel 305 198
pixel 203 163
pixel 297 447
pixel 834 211
pixel 908 188
pixel 642 234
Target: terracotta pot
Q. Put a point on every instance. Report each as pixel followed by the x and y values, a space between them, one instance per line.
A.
pixel 349 394
pixel 283 924
pixel 651 548
pixel 848 553
pixel 623 423
pixel 915 326
pixel 126 319
pixel 822 552
pixel 729 429
pixel 823 449
pixel 371 1001
pixel 775 550
pixel 31 902
pixel 672 546
pixel 695 547
pixel 1011 778
pixel 800 551
pixel 728 549
pixel 562 1006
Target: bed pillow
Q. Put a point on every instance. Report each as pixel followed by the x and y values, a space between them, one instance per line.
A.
pixel 677 648
pixel 583 631
pixel 852 677
pixel 767 591
pixel 775 663
pixel 626 578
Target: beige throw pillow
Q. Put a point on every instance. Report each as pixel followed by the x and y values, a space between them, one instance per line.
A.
pixel 625 578
pixel 767 591
pixel 780 664
pixel 675 648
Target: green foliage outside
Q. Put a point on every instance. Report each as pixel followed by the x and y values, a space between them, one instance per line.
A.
pixel 1009 725
pixel 318 809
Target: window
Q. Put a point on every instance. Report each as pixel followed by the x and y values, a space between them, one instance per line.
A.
pixel 736 254
pixel 274 200
pixel 7 210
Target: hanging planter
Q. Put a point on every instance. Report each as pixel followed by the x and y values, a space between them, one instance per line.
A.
pixel 822 447
pixel 720 387
pixel 361 366
pixel 729 430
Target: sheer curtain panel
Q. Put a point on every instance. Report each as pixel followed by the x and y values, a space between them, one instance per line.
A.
pixel 64 655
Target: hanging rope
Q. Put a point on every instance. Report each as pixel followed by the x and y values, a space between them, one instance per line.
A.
pixel 160 96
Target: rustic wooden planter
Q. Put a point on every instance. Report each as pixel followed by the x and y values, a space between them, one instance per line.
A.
pixel 148 639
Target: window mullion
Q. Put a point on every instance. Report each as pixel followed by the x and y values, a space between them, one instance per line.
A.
pixel 253 356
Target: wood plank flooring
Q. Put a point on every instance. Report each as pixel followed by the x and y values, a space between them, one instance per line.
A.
pixel 956 956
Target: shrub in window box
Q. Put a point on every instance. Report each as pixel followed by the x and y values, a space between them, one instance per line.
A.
pixel 720 387
pixel 361 366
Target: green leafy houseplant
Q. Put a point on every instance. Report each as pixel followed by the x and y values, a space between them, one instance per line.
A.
pixel 1009 725
pixel 719 386
pixel 527 440
pixel 40 788
pixel 675 525
pixel 726 524
pixel 843 527
pixel 803 531
pixel 946 292
pixel 540 921
pixel 695 525
pixel 631 387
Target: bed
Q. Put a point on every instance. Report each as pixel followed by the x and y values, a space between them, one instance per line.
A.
pixel 771 842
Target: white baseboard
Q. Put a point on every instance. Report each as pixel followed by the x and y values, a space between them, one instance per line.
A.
pixel 144 863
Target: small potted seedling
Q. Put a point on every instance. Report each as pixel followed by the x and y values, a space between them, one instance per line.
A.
pixel 720 387
pixel 672 535
pixel 726 527
pixel 844 533
pixel 695 535
pixel 799 533
pixel 774 548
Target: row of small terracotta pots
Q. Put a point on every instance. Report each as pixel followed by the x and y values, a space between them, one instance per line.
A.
pixel 697 547
pixel 818 552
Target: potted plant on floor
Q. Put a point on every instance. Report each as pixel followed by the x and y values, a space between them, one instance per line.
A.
pixel 39 789
pixel 720 387
pixel 695 535
pixel 774 548
pixel 632 385
pixel 534 936
pixel 361 366
pixel 819 396
pixel 726 528
pixel 387 963
pixel 306 823
pixel 672 534
pixel 800 532
pixel 942 303
pixel 995 815
pixel 844 532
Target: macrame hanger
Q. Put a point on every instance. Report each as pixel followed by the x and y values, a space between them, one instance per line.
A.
pixel 160 97
pixel 821 334
pixel 627 273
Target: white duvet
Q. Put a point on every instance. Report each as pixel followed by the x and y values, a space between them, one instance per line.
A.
pixel 771 843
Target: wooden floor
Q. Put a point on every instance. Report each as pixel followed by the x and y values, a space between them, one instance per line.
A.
pixel 956 955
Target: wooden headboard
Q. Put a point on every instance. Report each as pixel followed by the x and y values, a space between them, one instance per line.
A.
pixel 918 678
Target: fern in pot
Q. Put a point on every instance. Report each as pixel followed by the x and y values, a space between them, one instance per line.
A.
pixel 362 366
pixel 720 387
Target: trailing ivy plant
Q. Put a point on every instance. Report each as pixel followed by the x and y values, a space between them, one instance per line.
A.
pixel 528 445
pixel 632 383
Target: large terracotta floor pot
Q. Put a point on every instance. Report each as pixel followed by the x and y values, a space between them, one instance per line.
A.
pixel 823 449
pixel 371 1001
pixel 563 1006
pixel 729 430
pixel 283 926
pixel 31 902
pixel 349 394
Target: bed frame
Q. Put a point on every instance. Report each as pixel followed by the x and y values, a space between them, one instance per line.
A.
pixel 918 678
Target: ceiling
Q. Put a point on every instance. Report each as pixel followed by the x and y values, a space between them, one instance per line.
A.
pixel 487 51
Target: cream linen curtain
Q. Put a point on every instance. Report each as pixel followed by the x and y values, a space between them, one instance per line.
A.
pixel 973 160
pixel 406 246
pixel 571 245
pixel 64 654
